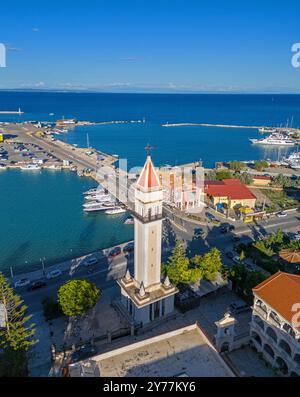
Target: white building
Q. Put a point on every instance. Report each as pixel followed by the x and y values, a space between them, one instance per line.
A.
pixel 275 325
pixel 145 296
pixel 183 186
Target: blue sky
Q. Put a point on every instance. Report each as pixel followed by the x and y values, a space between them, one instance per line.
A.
pixel 155 46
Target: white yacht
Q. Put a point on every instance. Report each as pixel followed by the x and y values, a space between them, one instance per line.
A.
pixel 99 207
pixel 98 197
pixel 274 139
pixel 30 167
pixel 115 211
pixel 94 191
pixel 295 164
pixel 293 156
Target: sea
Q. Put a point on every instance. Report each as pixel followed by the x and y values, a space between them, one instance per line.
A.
pixel 41 213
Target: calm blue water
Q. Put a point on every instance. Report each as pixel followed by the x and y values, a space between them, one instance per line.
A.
pixel 41 216
pixel 172 145
pixel 41 213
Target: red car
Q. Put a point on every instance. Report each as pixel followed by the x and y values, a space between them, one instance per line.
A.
pixel 115 252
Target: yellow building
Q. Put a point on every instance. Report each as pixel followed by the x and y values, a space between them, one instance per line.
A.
pixel 229 193
pixel 262 180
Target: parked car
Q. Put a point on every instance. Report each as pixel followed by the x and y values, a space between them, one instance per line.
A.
pixel 229 254
pixel 238 306
pixel 226 228
pixel 37 285
pixel 54 273
pixel 199 233
pixel 296 237
pixel 128 248
pixel 282 214
pixel 23 282
pixel 236 259
pixel 89 261
pixel 210 216
pixel 115 252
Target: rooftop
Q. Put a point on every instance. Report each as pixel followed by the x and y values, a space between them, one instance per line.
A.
pixel 264 177
pixel 148 179
pixel 183 352
pixel 281 291
pixel 231 188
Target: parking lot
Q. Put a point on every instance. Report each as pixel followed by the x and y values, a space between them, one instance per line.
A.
pixel 15 153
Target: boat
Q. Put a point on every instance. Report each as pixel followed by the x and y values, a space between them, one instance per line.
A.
pixel 97 196
pixel 293 156
pixel 94 190
pixel 129 221
pixel 295 164
pixel 115 211
pixel 267 130
pixel 92 204
pixel 54 167
pixel 30 167
pixel 98 207
pixel 274 139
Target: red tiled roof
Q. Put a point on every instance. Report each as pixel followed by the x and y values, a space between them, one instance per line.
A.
pixel 281 291
pixel 232 188
pixel 148 178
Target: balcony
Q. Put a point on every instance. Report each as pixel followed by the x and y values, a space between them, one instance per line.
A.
pixel 147 218
pixel 260 311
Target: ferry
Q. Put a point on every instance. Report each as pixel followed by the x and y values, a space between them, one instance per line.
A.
pixel 115 211
pixel 30 167
pixel 274 139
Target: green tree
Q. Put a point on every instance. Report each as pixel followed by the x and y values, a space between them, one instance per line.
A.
pixel 284 181
pixel 16 336
pixel 245 178
pixel 223 174
pixel 237 166
pixel 260 165
pixel 76 297
pixel 209 264
pixel 242 256
pixel 178 267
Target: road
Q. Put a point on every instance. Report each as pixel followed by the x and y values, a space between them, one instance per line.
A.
pixel 104 275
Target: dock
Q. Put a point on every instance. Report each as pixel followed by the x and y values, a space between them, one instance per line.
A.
pixel 11 111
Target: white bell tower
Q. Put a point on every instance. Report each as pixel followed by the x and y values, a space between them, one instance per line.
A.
pixel 144 295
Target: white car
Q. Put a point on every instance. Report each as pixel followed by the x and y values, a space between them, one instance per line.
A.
pixel 297 237
pixel 281 214
pixel 22 282
pixel 54 274
pixel 92 260
pixel 236 259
